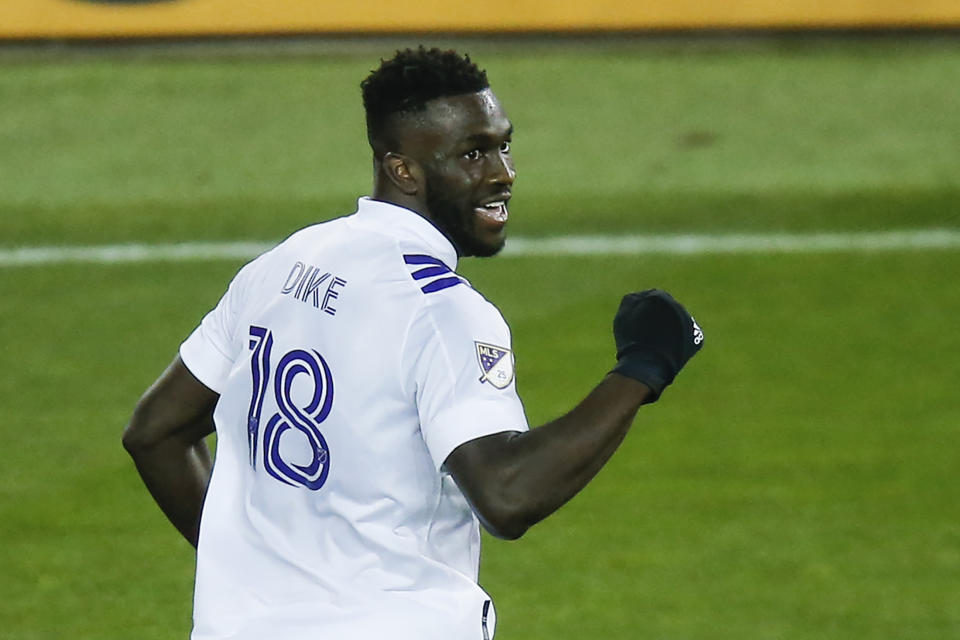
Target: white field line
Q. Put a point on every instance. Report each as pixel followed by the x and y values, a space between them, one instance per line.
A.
pixel 699 244
pixel 125 253
pixel 594 245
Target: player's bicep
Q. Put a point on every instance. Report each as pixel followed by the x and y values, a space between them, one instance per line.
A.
pixel 176 407
pixel 482 468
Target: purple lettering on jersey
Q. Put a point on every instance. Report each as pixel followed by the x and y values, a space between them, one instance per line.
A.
pixel 305 281
pixel 312 284
pixel 332 294
pixel 294 278
pixel 261 343
pixel 290 415
pixel 304 419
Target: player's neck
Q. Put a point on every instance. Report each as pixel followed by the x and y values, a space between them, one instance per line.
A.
pixel 386 191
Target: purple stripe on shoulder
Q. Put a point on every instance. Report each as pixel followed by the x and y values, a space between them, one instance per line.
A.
pixel 416 258
pixel 441 284
pixel 429 272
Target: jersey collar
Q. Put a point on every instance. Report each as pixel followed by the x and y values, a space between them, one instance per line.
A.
pixel 406 223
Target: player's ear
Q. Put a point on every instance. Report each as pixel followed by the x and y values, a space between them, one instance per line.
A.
pixel 404 173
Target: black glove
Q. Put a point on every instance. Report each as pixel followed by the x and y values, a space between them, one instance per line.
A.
pixel 655 337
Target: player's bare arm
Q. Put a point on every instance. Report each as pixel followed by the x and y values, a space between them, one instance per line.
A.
pixel 513 480
pixel 165 437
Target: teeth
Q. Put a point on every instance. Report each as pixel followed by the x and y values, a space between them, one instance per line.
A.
pixel 494 211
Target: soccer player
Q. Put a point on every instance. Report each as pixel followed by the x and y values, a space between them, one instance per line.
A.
pixel 364 400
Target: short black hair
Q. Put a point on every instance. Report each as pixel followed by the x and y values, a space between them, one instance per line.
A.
pixel 410 79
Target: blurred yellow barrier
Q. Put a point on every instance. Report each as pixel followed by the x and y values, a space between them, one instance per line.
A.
pixel 21 19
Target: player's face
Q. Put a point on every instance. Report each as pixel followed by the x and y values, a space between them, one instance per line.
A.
pixel 463 146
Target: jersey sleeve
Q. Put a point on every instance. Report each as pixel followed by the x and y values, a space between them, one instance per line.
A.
pixel 464 374
pixel 211 350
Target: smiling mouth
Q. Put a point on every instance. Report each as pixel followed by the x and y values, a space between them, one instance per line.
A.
pixel 494 211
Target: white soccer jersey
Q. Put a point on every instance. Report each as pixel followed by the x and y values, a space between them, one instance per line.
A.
pixel 350 361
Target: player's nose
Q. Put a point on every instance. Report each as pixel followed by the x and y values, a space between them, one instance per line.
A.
pixel 502 170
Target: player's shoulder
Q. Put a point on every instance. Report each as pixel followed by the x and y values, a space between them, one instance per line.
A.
pixel 261 267
pixel 301 245
pixel 448 299
pixel 311 234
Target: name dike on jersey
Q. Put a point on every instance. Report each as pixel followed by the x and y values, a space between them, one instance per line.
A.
pixel 305 282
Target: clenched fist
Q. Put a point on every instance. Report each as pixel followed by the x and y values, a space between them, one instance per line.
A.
pixel 655 337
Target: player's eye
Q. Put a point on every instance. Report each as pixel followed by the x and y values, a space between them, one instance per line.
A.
pixel 474 154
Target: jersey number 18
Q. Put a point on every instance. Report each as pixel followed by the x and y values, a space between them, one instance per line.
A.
pixel 313 459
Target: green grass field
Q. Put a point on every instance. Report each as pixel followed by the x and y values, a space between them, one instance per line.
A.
pixel 798 482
